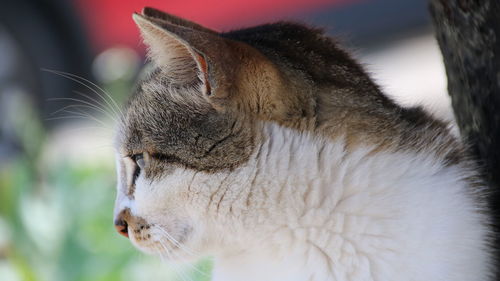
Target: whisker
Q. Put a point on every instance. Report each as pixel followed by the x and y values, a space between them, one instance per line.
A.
pixel 178 270
pixel 69 117
pixel 98 87
pixel 195 268
pixel 84 106
pixel 113 106
pixel 95 103
pixel 97 131
pixel 171 239
pixel 164 260
pixel 84 115
pixel 98 103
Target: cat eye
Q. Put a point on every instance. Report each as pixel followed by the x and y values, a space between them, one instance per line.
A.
pixel 140 163
pixel 139 160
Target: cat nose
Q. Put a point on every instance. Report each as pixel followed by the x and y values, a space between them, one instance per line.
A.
pixel 122 227
pixel 121 224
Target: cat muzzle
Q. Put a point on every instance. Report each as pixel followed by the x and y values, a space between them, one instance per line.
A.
pixel 121 224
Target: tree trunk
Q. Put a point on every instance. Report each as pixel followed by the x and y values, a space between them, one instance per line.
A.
pixel 468 33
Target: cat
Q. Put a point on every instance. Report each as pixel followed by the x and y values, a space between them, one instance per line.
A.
pixel 271 150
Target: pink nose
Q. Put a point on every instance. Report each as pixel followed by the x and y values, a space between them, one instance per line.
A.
pixel 122 228
pixel 121 224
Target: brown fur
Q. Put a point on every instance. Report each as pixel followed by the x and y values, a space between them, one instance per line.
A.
pixel 284 73
pixel 173 132
pixel 204 105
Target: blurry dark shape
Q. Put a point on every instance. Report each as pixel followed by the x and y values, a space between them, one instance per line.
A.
pixel 468 33
pixel 48 35
pixel 370 23
pixel 35 35
pixel 14 82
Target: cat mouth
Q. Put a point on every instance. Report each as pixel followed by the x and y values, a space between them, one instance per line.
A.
pixel 169 246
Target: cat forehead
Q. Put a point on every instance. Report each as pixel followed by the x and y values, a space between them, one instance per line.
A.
pixel 164 120
pixel 157 111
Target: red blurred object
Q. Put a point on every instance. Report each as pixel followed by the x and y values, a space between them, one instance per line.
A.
pixel 109 22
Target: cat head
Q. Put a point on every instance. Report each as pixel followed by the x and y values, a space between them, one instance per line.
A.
pixel 182 132
pixel 189 134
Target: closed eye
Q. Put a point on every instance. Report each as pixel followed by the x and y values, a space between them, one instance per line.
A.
pixel 142 160
pixel 139 165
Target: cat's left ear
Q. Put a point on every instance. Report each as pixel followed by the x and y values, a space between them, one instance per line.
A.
pixel 185 47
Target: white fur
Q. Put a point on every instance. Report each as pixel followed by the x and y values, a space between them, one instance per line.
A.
pixel 303 208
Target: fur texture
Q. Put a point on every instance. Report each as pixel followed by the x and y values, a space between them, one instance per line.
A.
pixel 270 149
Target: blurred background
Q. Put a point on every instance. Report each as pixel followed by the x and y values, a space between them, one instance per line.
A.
pixel 65 67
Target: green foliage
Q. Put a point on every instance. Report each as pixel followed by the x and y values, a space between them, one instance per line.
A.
pixel 59 227
pixel 56 220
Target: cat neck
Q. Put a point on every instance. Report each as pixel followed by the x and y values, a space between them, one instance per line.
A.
pixel 314 210
pixel 287 181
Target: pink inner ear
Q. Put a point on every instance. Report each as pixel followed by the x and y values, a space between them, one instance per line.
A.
pixel 204 70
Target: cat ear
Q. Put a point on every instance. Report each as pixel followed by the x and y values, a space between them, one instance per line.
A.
pixel 186 52
pixel 155 14
pixel 169 51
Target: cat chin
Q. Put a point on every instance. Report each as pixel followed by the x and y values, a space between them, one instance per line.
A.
pixel 162 249
pixel 150 248
pixel 171 246
pixel 167 253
